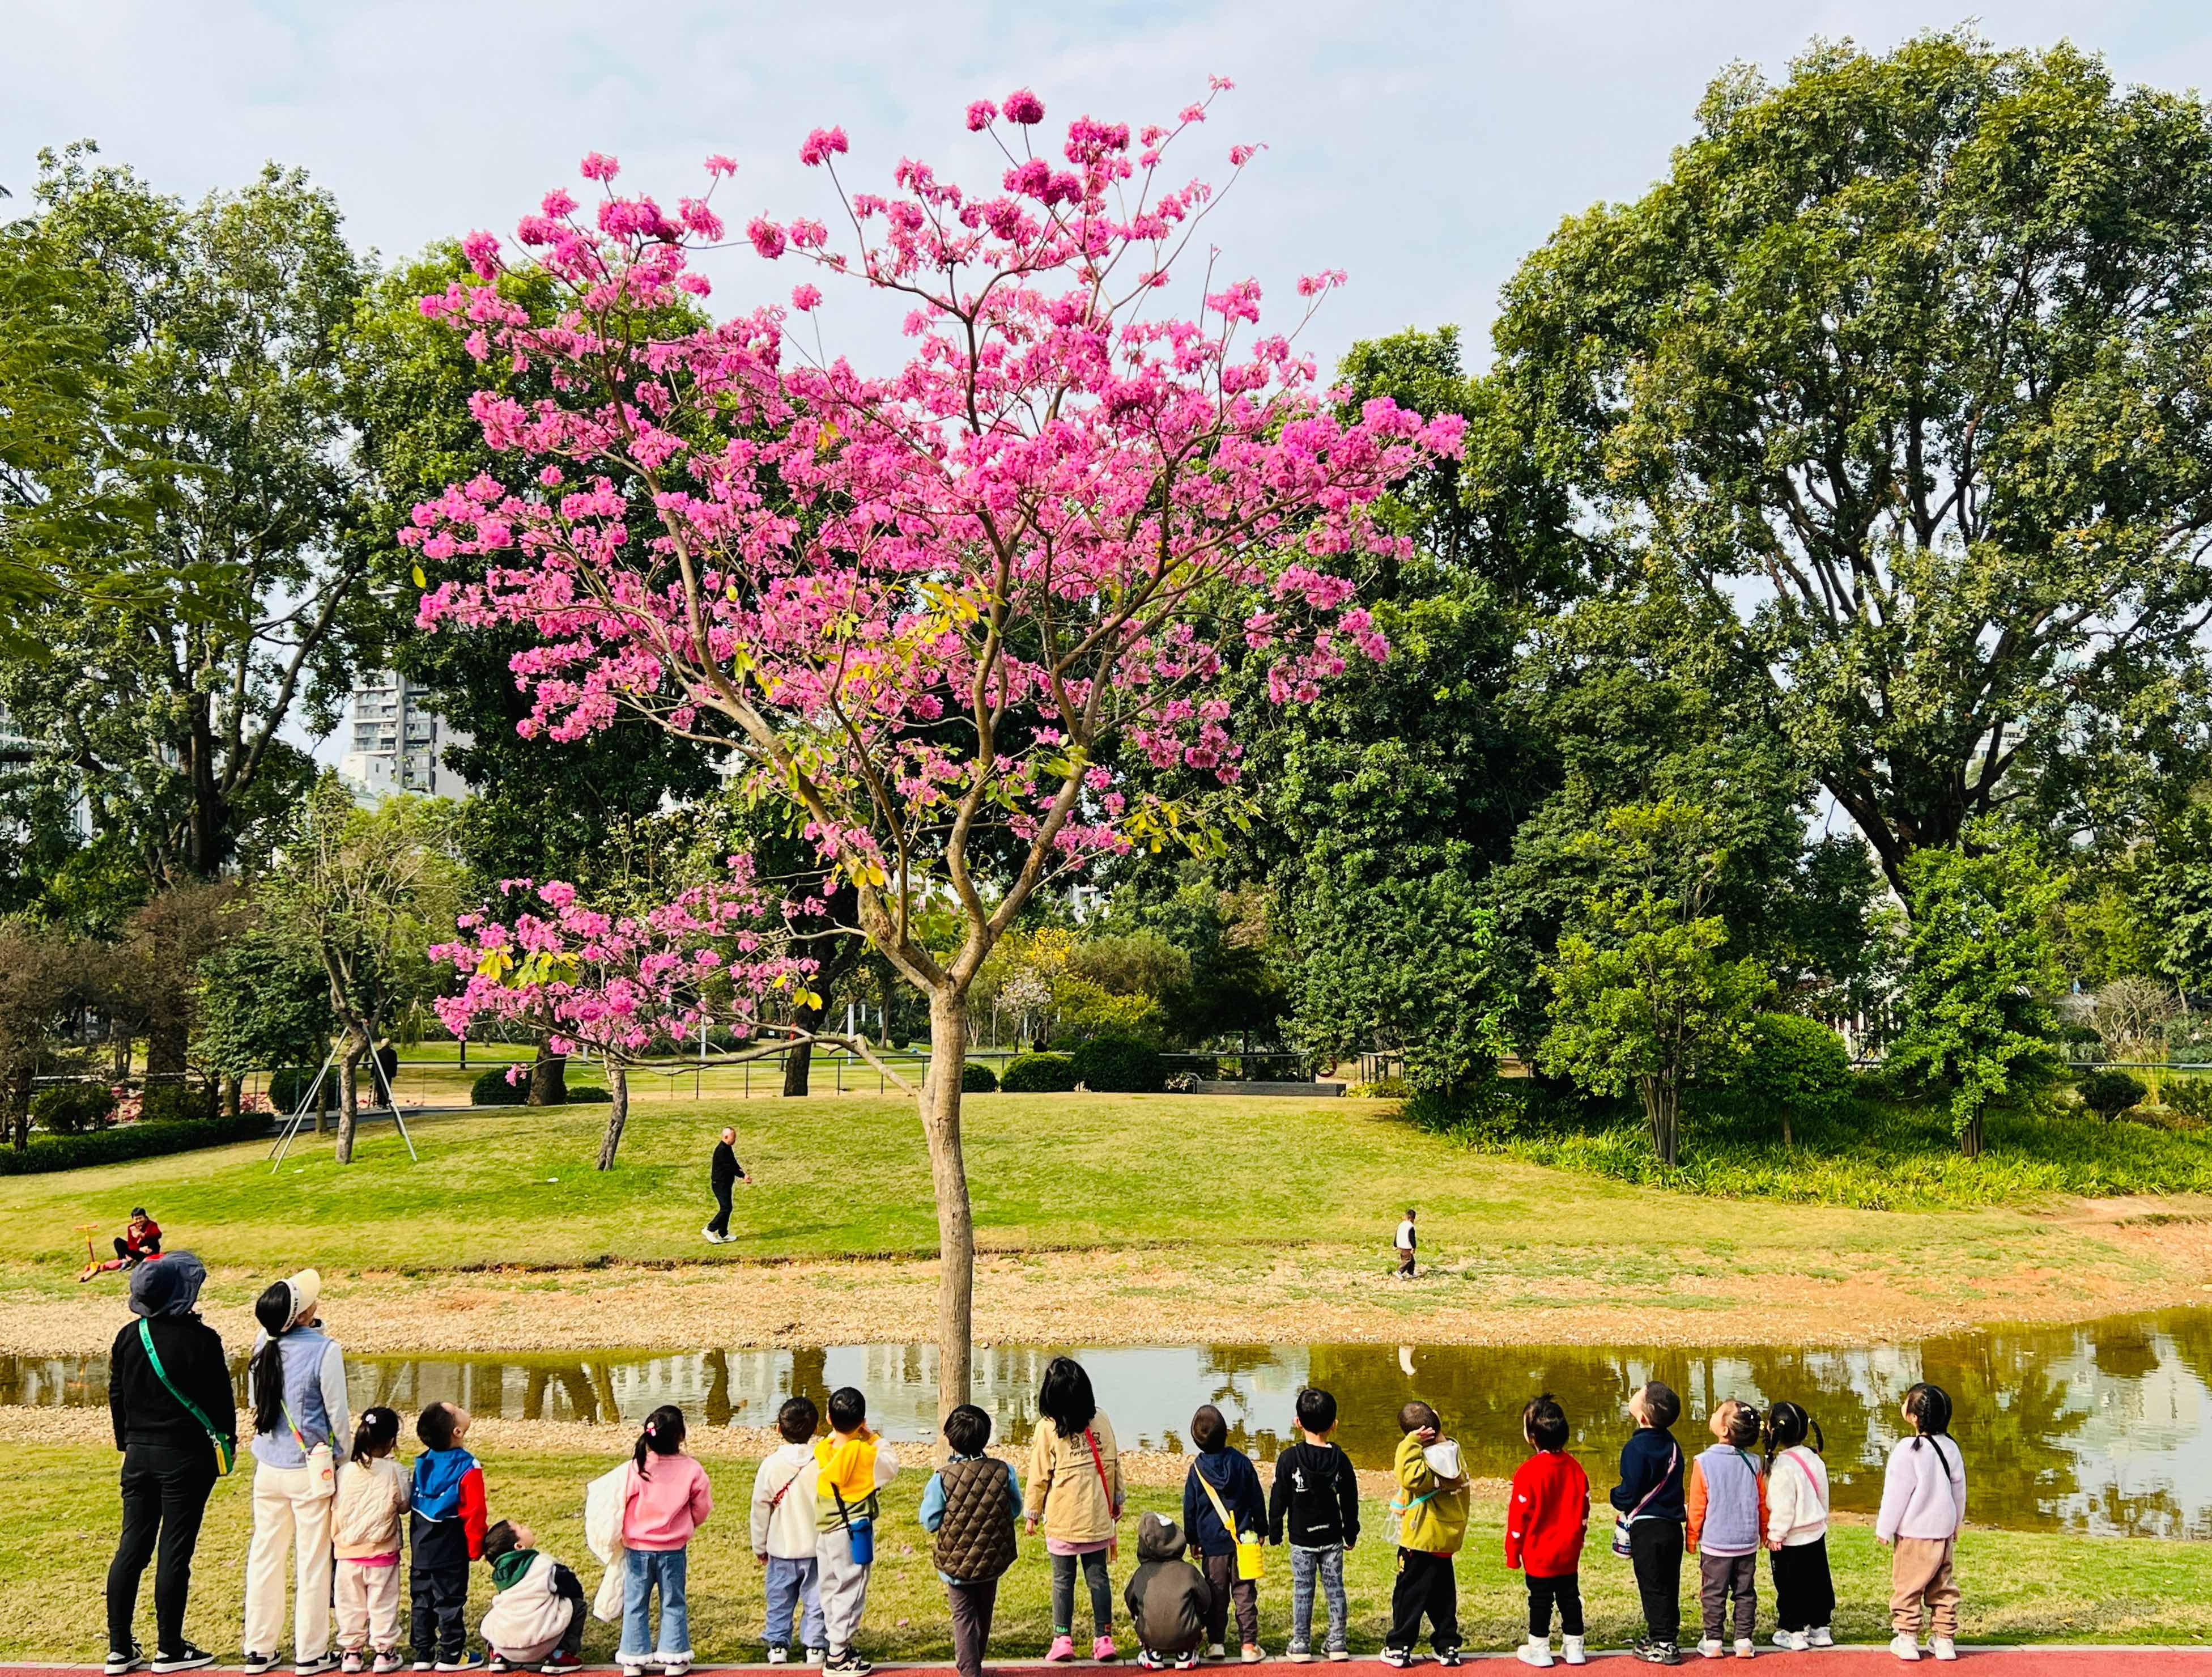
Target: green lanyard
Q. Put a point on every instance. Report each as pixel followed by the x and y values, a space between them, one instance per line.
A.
pixel 223 1453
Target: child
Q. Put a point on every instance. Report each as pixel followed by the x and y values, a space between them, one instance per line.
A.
pixel 1407 1238
pixel 1546 1514
pixel 1075 1492
pixel 445 1531
pixel 536 1605
pixel 1431 1507
pixel 365 1537
pixel 665 1498
pixel 971 1502
pixel 1727 1511
pixel 1797 1529
pixel 1221 1497
pixel 1315 1504
pixel 1924 1504
pixel 1169 1599
pixel 783 1532
pixel 1651 1515
pixel 852 1465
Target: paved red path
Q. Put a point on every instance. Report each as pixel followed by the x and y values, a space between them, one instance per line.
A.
pixel 1858 1662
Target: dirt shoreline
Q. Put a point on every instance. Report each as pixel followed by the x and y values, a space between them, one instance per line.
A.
pixel 1306 1296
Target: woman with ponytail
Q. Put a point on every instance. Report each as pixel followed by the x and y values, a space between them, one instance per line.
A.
pixel 1797 1528
pixel 1924 1504
pixel 665 1498
pixel 295 1387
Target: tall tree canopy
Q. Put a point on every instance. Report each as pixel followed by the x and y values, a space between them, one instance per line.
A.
pixel 1902 368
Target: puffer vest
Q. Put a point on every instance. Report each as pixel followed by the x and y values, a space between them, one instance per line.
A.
pixel 976 1539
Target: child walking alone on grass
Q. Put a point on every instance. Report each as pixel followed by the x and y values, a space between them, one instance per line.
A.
pixel 1221 1501
pixel 366 1535
pixel 1430 1513
pixel 666 1498
pixel 971 1502
pixel 1924 1504
pixel 1647 1526
pixel 1547 1514
pixel 1726 1509
pixel 1797 1529
pixel 784 1527
pixel 1315 1507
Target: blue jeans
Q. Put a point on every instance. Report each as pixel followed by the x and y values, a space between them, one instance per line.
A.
pixel 792 1583
pixel 1304 1563
pixel 644 1568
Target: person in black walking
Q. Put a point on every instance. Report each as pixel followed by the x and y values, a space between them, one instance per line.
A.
pixel 725 1174
pixel 176 1423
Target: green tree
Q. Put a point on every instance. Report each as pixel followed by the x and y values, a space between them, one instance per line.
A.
pixel 1643 995
pixel 264 1004
pixel 1978 965
pixel 1900 371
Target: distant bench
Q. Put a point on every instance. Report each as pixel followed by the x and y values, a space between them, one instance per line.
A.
pixel 1207 1087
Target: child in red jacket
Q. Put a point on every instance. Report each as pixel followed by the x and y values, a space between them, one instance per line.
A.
pixel 1546 1514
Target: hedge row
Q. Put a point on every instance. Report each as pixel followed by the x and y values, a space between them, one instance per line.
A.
pixel 134 1141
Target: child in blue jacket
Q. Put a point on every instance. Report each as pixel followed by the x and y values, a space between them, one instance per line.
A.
pixel 1222 1481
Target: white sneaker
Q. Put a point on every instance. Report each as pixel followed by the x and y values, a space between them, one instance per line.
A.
pixel 1820 1636
pixel 1745 1647
pixel 1791 1642
pixel 711 1237
pixel 1536 1653
pixel 1943 1648
pixel 1217 1651
pixel 777 1653
pixel 1904 1647
pixel 1571 1650
pixel 1712 1647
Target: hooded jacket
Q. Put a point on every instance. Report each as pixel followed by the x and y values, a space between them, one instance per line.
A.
pixel 139 1406
pixel 1644 1464
pixel 1431 1507
pixel 448 1499
pixel 1316 1501
pixel 1077 1497
pixel 1167 1596
pixel 1237 1482
pixel 528 1616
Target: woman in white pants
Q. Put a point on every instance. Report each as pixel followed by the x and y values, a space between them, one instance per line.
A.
pixel 295 1388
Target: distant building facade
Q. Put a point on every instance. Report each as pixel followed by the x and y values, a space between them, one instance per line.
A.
pixel 398 742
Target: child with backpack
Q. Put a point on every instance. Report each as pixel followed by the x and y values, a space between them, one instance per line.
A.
pixel 1431 1510
pixel 851 1468
pixel 1647 1529
pixel 1075 1494
pixel 972 1503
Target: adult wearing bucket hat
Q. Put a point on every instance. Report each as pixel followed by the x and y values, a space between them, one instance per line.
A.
pixel 295 1385
pixel 165 1365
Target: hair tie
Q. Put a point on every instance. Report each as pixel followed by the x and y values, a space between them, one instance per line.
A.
pixel 651 1432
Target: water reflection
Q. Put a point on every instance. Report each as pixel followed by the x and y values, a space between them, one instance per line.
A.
pixel 2102 1428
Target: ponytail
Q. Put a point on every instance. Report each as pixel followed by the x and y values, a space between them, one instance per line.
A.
pixel 1787 1425
pixel 375 1434
pixel 663 1436
pixel 273 1310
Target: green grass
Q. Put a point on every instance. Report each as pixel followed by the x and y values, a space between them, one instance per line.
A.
pixel 55 1536
pixel 1878 1155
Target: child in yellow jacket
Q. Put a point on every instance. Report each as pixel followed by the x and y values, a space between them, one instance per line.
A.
pixel 852 1464
pixel 1431 1510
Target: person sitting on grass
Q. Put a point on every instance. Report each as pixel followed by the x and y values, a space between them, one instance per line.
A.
pixel 537 1606
pixel 140 1242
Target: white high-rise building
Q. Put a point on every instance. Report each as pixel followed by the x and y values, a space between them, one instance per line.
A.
pixel 398 741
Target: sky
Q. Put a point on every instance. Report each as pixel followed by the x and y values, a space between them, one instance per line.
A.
pixel 1423 148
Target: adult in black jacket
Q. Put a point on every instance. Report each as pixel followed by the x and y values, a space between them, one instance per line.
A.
pixel 169 1463
pixel 726 1173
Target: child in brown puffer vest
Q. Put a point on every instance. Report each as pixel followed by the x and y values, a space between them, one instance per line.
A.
pixel 972 1503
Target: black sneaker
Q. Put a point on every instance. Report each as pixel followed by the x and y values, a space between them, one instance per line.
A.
pixel 1657 1653
pixel 316 1666
pixel 122 1660
pixel 254 1664
pixel 1447 1656
pixel 1400 1657
pixel 186 1658
pixel 847 1662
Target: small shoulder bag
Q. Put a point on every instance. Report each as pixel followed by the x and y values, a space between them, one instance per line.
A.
pixel 1622 1522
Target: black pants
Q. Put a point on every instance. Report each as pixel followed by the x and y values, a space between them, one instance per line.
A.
pixel 1427 1585
pixel 972 1605
pixel 1567 1590
pixel 571 1589
pixel 1804 1594
pixel 439 1604
pixel 720 1222
pixel 1063 1592
pixel 164 1493
pixel 1655 1553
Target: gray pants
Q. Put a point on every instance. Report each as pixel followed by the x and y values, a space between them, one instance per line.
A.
pixel 971 1605
pixel 1230 1590
pixel 1720 1576
pixel 843 1587
pixel 1304 1564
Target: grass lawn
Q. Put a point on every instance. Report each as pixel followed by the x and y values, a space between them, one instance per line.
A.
pixel 57 1531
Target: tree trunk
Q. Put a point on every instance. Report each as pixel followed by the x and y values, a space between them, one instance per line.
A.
pixel 799 1058
pixel 548 1079
pixel 349 1092
pixel 1786 1140
pixel 1662 1113
pixel 618 1114
pixel 956 1227
pixel 1970 1138
pixel 17 1091
pixel 233 1089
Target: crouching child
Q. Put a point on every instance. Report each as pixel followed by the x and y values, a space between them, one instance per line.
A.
pixel 537 1615
pixel 1169 1599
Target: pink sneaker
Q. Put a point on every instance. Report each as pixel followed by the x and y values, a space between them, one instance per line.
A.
pixel 1063 1648
pixel 1103 1649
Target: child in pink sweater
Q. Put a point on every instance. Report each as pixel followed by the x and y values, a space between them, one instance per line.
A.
pixel 664 1502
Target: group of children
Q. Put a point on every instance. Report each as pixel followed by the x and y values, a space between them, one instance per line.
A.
pixel 1761 1484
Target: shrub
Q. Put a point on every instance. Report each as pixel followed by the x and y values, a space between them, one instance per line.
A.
pixel 1382 1088
pixel 138 1141
pixel 588 1095
pixel 178 1103
pixel 68 1109
pixel 977 1078
pixel 492 1089
pixel 288 1088
pixel 1039 1074
pixel 2191 1097
pixel 2108 1093
pixel 1120 1065
pixel 1796 1069
pixel 2189 1038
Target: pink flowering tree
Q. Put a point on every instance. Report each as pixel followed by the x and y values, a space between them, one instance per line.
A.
pixel 945 611
pixel 553 970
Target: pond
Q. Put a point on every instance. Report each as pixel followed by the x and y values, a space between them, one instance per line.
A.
pixel 2104 1427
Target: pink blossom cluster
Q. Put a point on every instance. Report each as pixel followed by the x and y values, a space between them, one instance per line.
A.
pixel 971 590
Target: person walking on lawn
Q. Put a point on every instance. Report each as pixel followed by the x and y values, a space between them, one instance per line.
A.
pixel 725 1173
